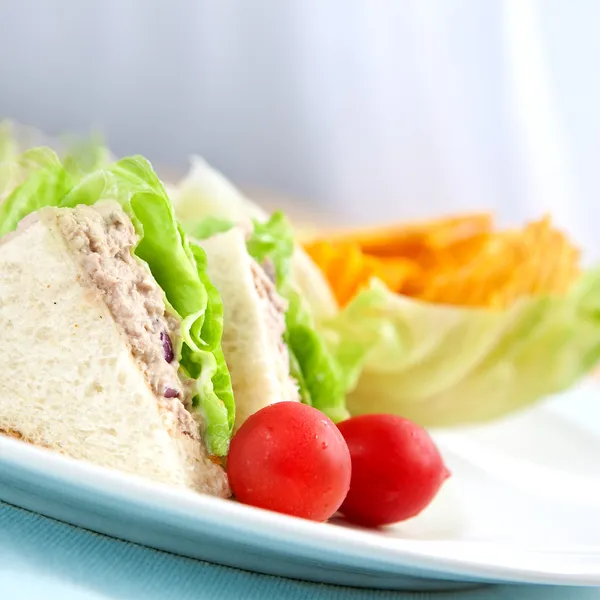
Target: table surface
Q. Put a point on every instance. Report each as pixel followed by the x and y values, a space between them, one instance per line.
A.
pixel 42 558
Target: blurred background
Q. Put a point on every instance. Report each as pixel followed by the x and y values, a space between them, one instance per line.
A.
pixel 362 110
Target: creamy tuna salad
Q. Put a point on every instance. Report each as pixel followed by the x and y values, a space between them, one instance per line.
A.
pixel 274 308
pixel 102 239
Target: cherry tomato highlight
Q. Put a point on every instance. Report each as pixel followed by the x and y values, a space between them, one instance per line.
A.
pixel 397 469
pixel 290 458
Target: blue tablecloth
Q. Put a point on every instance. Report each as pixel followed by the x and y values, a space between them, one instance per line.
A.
pixel 41 558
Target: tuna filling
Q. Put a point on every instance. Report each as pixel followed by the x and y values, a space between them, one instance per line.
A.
pixel 102 238
pixel 274 308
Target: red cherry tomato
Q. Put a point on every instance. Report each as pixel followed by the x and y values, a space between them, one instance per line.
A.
pixel 396 469
pixel 290 458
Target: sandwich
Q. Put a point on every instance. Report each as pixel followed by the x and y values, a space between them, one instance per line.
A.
pixel 141 342
pixel 110 327
pixel 272 347
pixel 254 325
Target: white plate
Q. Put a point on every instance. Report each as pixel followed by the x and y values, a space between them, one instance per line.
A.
pixel 522 506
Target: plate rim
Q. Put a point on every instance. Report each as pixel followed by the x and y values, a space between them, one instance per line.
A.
pixel 49 467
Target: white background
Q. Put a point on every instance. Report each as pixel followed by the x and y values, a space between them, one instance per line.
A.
pixel 376 109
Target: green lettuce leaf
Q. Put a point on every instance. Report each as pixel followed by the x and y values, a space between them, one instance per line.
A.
pixel 211 226
pixel 15 138
pixel 44 182
pixel 22 153
pixel 215 398
pixel 178 268
pixel 273 240
pixel 85 154
pixel 445 366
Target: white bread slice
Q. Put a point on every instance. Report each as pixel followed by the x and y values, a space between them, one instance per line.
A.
pixel 68 379
pixel 252 343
